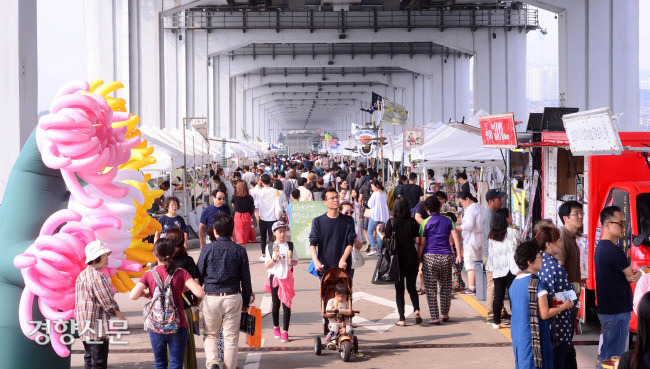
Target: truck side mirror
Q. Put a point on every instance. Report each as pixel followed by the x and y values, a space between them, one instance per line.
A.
pixel 637 240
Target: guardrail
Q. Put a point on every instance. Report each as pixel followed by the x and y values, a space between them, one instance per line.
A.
pixel 522 18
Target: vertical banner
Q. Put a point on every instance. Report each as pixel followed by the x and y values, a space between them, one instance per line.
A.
pixel 302 215
pixel 413 137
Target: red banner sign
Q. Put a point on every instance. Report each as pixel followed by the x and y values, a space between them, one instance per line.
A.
pixel 499 131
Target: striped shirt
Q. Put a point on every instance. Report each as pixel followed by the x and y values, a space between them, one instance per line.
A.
pixel 94 304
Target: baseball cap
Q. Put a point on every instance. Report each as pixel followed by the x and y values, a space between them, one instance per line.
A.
pixel 493 194
pixel 96 249
pixel 278 224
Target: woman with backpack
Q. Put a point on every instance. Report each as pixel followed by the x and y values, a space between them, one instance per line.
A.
pixel 163 319
pixel 186 262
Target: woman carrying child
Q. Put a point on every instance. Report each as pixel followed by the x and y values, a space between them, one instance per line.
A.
pixel 280 260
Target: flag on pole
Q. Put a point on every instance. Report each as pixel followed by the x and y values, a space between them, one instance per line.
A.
pixel 375 103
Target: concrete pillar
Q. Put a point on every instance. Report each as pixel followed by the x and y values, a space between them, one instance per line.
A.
pixel 175 90
pixel 197 73
pixel 212 96
pixel 107 43
pixel 257 116
pixel 248 111
pixel 500 72
pixel 223 96
pixel 19 78
pixel 147 61
pixel 599 57
pixel 238 106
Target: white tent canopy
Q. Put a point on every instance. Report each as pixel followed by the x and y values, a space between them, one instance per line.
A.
pixel 451 147
pixel 168 148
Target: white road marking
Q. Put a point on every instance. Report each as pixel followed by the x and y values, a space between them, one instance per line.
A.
pixel 383 324
pixel 253 359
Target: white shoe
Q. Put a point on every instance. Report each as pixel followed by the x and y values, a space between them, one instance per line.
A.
pixel 262 258
pixel 372 252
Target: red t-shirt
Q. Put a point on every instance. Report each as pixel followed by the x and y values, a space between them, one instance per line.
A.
pixel 178 282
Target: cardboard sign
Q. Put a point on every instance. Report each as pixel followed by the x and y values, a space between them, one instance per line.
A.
pixel 394 113
pixel 592 132
pixel 499 131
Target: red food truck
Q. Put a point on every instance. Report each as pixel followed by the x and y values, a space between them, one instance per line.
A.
pixel 597 181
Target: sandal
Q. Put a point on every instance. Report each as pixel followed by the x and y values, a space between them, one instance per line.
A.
pixel 400 323
pixel 418 319
pixel 434 322
pixel 421 291
pixel 445 318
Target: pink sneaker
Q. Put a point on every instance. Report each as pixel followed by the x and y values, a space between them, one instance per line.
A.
pixel 285 337
pixel 276 332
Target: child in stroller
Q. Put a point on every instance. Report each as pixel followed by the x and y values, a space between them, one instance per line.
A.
pixel 336 305
pixel 339 301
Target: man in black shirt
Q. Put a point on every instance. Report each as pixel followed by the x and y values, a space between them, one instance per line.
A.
pixel 332 236
pixel 223 266
pixel 613 277
pixel 411 191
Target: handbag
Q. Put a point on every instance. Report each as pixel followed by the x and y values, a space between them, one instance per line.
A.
pixel 357 258
pixel 387 268
pixel 195 316
pixel 247 324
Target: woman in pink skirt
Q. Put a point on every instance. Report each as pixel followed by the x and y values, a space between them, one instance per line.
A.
pixel 244 210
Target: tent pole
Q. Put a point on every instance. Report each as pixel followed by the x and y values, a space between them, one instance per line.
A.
pixel 184 172
pixel 194 168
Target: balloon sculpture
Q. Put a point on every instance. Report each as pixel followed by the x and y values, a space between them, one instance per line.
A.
pixel 88 136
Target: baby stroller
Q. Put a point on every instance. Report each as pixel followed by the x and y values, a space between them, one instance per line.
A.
pixel 345 341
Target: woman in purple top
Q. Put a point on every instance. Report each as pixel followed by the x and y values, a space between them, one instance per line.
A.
pixel 437 258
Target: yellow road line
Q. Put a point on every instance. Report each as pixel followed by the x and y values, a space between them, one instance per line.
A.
pixel 471 301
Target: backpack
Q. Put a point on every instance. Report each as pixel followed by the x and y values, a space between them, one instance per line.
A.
pixel 366 191
pixel 161 314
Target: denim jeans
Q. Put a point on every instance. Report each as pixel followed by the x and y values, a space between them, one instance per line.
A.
pixel 176 343
pixel 372 226
pixel 616 329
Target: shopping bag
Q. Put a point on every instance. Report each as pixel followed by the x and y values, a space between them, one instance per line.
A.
pixel 256 339
pixel 357 258
pixel 387 268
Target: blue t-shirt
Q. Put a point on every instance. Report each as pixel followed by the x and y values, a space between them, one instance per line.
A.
pixel 613 291
pixel 208 214
pixel 168 223
pixel 436 229
pixel 556 279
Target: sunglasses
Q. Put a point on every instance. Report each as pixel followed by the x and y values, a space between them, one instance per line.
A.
pixel 620 224
pixel 348 212
pixel 221 198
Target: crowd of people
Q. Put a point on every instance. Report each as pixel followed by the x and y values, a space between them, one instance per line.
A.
pixel 433 242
